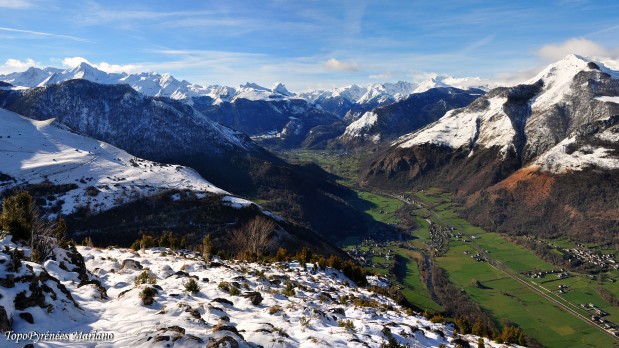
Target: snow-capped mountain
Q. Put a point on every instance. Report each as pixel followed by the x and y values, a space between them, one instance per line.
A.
pixel 419 109
pixel 148 83
pixel 530 119
pixel 157 129
pixel 352 101
pixel 94 174
pixel 561 122
pixel 173 132
pixel 338 101
pixel 124 298
pixel 464 83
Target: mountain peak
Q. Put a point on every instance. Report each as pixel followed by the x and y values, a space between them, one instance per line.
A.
pixel 252 85
pixel 280 88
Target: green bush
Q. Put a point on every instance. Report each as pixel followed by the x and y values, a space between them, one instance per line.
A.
pixel 347 324
pixel 288 290
pixel 145 278
pixel 147 295
pixel 192 286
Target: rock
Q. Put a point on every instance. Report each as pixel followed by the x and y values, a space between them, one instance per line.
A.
pixel 194 313
pixel 6 324
pixel 224 301
pixel 337 310
pixel 221 327
pixel 129 264
pixel 161 338
pixel 8 282
pixel 97 285
pixel 27 317
pixel 254 296
pixel 174 328
pixel 224 342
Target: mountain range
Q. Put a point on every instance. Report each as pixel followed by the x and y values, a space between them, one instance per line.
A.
pixel 526 158
pixel 489 146
pixel 274 116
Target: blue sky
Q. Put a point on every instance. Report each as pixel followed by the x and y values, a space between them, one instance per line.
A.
pixel 306 44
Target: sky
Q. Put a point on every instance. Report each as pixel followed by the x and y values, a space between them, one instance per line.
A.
pixel 307 44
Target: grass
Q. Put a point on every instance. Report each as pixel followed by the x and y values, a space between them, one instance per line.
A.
pixel 504 297
pixel 414 288
pixel 379 208
pixel 343 164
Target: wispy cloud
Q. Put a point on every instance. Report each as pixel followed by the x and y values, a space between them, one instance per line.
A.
pixel 43 34
pixel 15 4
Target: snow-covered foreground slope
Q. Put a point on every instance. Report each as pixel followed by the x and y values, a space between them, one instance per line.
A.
pixel 100 175
pixel 273 305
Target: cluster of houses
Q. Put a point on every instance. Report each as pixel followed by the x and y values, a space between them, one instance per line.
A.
pixel 560 274
pixel 597 316
pixel 374 248
pixel 439 237
pixel 605 261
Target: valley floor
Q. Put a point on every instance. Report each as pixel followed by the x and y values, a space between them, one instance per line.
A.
pixel 495 272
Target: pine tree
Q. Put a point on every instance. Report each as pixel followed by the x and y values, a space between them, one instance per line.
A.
pixel 17 217
pixel 60 232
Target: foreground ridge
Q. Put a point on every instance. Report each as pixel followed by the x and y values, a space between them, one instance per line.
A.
pixel 161 297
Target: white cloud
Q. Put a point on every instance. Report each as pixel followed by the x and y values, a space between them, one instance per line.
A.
pixel 338 65
pixel 15 4
pixel 72 62
pixel 13 65
pixel 584 47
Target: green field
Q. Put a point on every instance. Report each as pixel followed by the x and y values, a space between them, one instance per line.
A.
pixel 414 288
pixel 504 297
pixel 382 209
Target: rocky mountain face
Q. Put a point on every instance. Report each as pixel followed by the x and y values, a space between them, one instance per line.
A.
pixel 548 137
pixel 285 122
pixel 388 122
pixel 173 132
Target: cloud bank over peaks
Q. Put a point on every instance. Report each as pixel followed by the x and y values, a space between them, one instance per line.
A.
pixel 579 46
pixel 73 62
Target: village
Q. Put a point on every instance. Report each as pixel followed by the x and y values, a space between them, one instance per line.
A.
pixel 603 261
pixel 597 316
pixel 374 249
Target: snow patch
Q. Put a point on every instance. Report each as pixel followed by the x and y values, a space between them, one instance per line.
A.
pixel 459 128
pixel 558 160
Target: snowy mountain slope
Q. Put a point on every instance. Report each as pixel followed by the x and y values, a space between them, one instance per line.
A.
pixel 170 131
pixel 100 175
pixel 145 126
pixel 386 123
pixel 562 98
pixel 316 310
pixel 455 82
pixel 550 138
